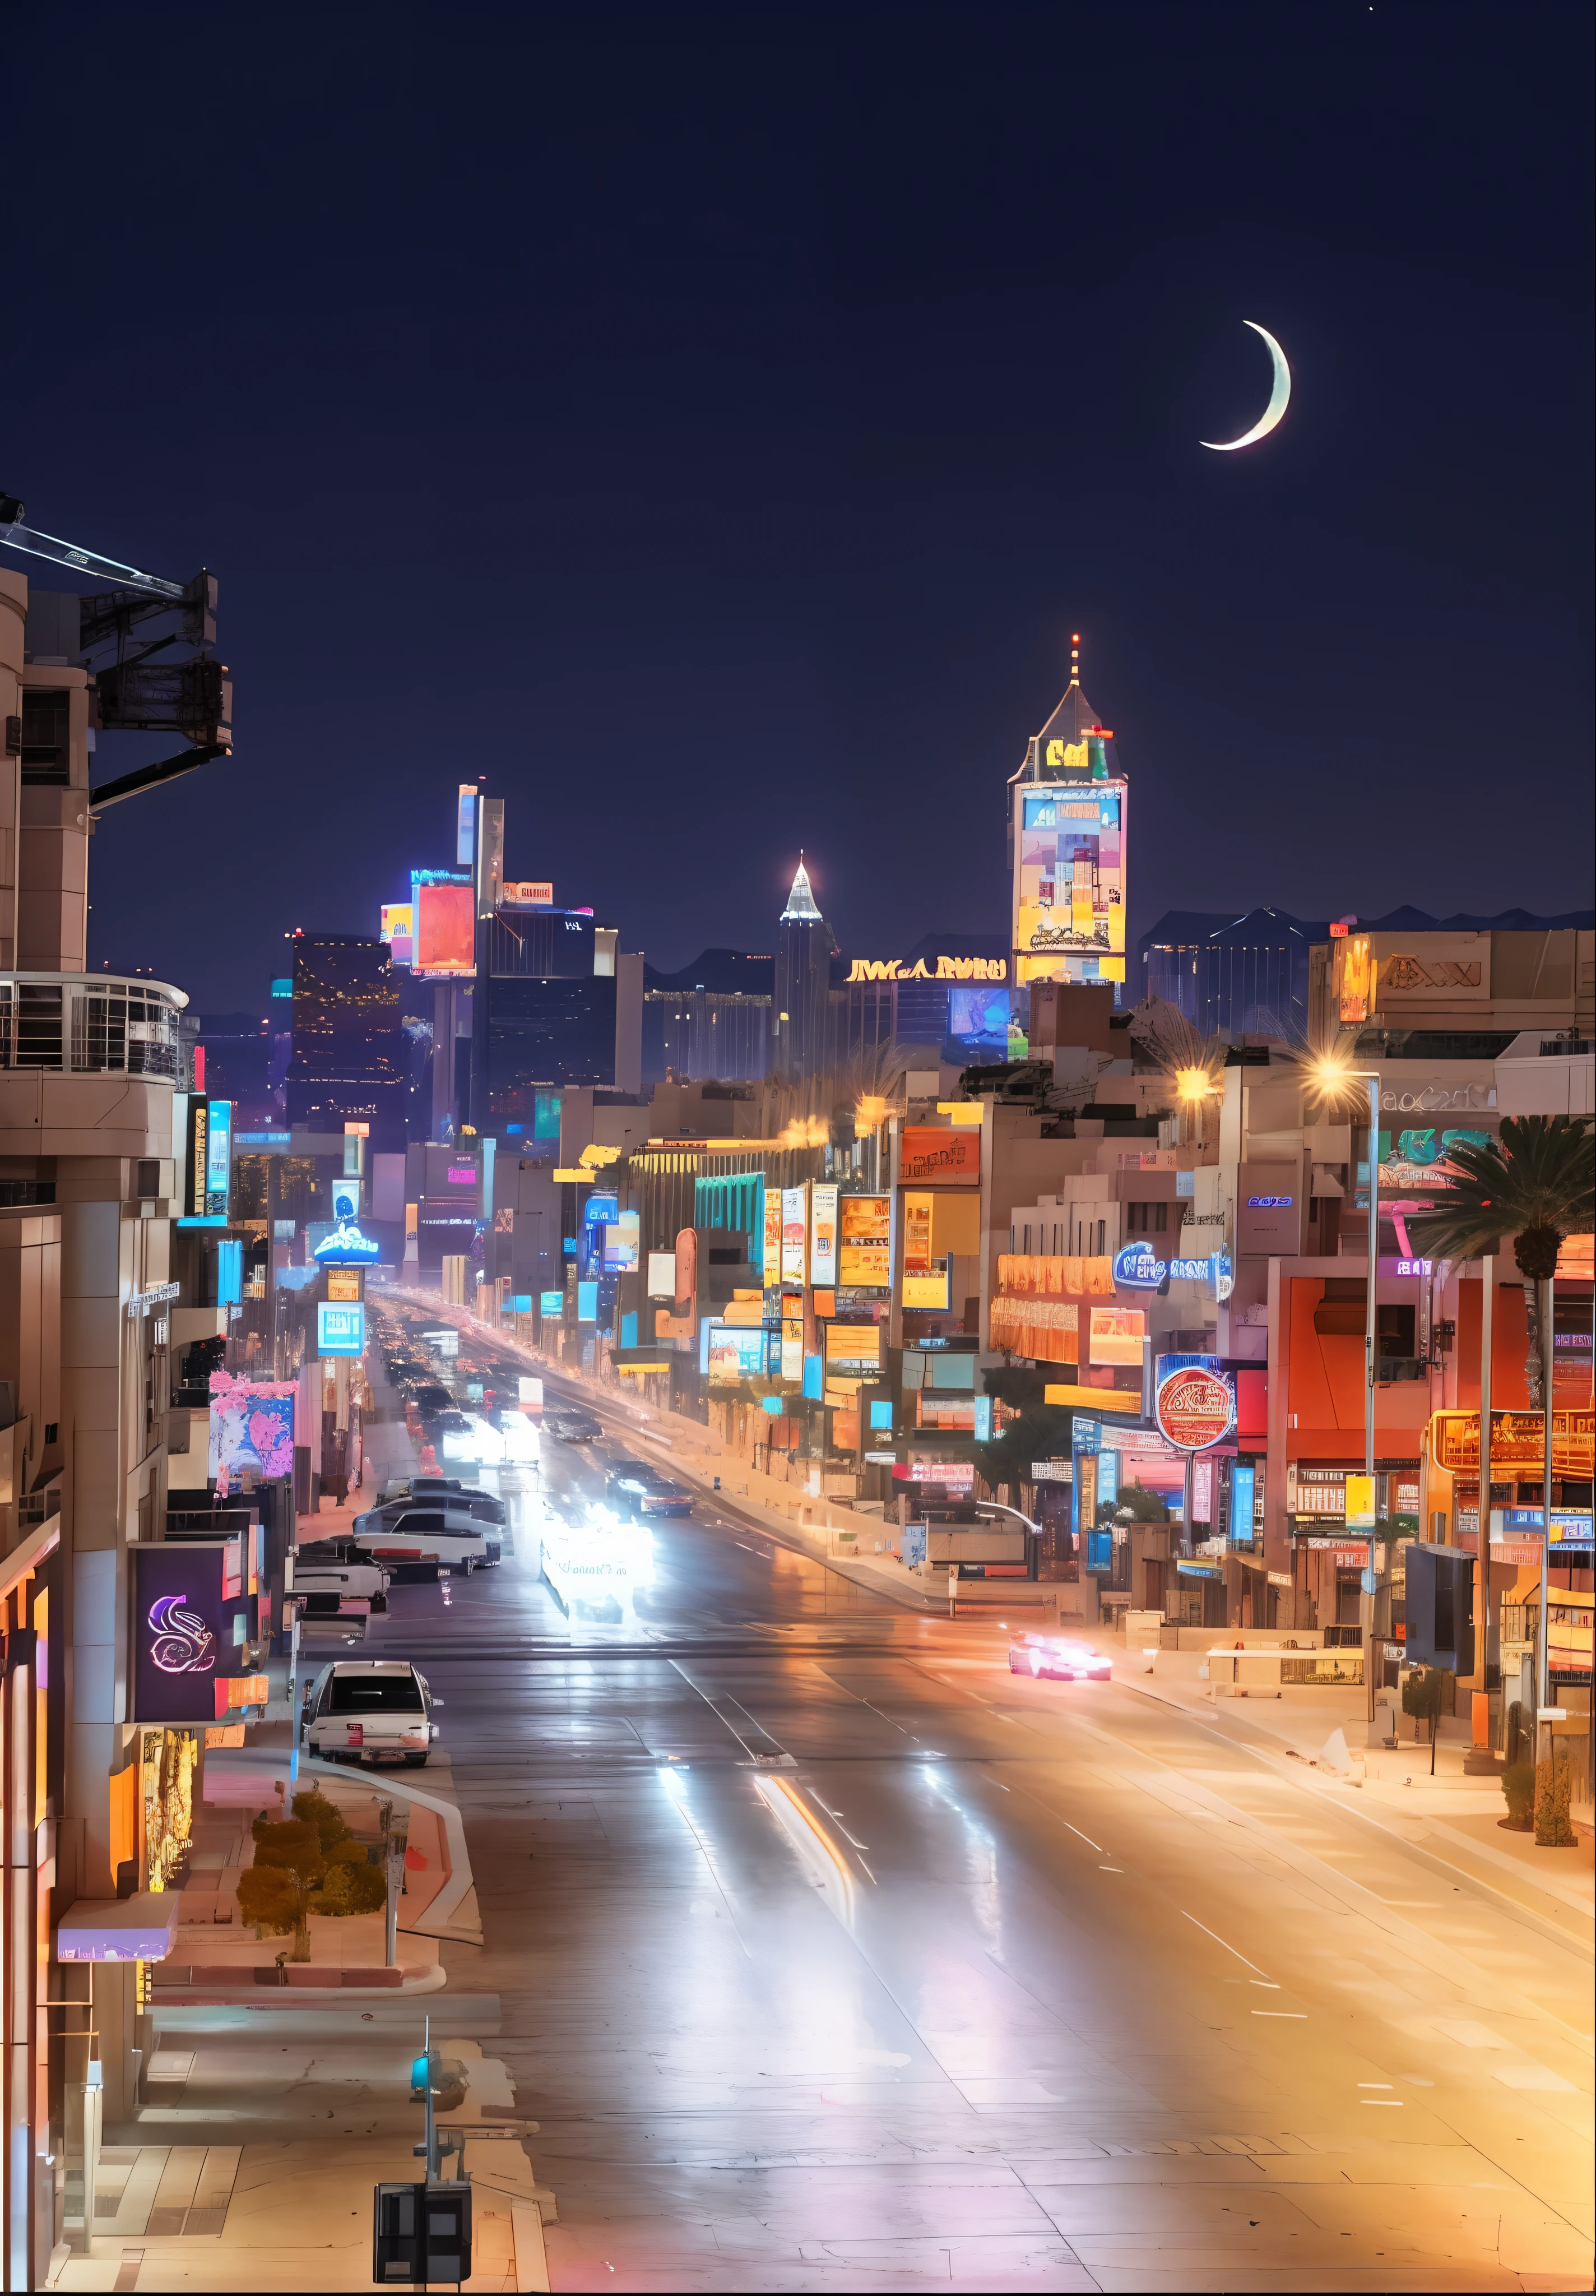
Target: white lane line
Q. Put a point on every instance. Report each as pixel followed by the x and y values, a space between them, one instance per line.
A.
pixel 1110 1869
pixel 1300 2016
pixel 1207 1931
pixel 861 1861
pixel 1086 1838
pixel 1396 2103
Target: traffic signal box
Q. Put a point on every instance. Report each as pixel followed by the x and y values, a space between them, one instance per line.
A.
pixel 422 2235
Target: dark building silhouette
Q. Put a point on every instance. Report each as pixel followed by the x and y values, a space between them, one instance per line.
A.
pixel 709 1023
pixel 350 1060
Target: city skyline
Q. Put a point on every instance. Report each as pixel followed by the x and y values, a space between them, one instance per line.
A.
pixel 805 491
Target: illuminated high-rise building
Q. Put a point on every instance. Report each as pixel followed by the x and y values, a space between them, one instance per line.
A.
pixel 1067 847
pixel 349 1059
pixel 801 1027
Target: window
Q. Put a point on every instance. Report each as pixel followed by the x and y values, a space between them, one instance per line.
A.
pixel 1146 1219
pixel 375 1693
pixel 46 712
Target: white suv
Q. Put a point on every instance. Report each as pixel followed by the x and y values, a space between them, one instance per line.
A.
pixel 363 1709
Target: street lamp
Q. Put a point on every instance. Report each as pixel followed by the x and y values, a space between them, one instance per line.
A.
pixel 1331 1076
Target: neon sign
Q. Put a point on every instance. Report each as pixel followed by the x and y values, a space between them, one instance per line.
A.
pixel 946 968
pixel 1139 1268
pixel 1269 1203
pixel 182 1644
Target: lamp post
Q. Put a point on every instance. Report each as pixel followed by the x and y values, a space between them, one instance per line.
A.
pixel 1331 1076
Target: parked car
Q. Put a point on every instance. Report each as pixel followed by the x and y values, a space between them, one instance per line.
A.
pixel 1057 1658
pixel 337 1567
pixel 569 1425
pixel 369 1709
pixel 445 1490
pixel 421 1536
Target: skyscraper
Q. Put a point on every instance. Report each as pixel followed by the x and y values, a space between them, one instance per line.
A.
pixel 350 1059
pixel 805 947
pixel 1067 830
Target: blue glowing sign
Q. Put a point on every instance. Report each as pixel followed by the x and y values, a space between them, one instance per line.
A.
pixel 587 1303
pixel 1269 1203
pixel 551 1303
pixel 880 1413
pixel 983 1418
pixel 600 1211
pixel 1138 1268
pixel 219 1159
pixel 340 1328
pixel 1242 1476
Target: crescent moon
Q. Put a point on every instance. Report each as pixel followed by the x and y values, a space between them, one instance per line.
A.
pixel 1280 393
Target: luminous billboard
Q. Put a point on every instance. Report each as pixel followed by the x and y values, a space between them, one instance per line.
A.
pixel 1116 1336
pixel 822 1232
pixel 854 1350
pixel 251 1428
pixel 183 1630
pixel 398 928
pixel 978 1016
pixel 1069 857
pixel 795 1226
pixel 865 1243
pixel 732 1353
pixel 772 1264
pixel 446 929
pixel 621 1242
pixel 339 1327
pixel 343 1244
pixel 1195 1401
pixel 950 1156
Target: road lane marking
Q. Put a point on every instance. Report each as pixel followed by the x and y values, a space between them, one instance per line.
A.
pixel 1299 2016
pixel 1219 1940
pixel 1086 1838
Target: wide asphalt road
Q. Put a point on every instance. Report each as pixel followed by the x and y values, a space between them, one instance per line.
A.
pixel 833 1955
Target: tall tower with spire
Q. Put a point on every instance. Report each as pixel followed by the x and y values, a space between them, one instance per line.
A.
pixel 1066 847
pixel 805 947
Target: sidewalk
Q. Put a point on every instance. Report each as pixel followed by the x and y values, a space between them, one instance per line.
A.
pixel 297 2214
pixel 1451 1816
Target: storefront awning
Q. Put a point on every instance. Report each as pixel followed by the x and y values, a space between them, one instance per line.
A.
pixel 141 1928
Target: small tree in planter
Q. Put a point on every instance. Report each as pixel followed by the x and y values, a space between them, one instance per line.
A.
pixel 1423 1695
pixel 1519 1785
pixel 308 1864
pixel 1554 1787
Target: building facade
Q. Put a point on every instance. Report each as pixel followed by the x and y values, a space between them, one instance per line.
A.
pixel 349 1061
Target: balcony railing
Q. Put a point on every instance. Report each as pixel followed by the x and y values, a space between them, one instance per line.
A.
pixel 89 1024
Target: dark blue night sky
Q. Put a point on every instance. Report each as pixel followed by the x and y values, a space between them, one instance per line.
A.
pixel 709 426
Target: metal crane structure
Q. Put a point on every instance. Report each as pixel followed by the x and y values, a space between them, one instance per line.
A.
pixel 191 696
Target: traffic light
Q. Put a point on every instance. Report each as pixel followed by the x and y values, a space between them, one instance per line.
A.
pixel 422 2233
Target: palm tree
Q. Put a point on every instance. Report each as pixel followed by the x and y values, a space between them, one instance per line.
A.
pixel 1537 1185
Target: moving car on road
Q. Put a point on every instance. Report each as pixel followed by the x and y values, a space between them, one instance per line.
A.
pixel 569 1424
pixel 638 1488
pixel 1057 1658
pixel 370 1710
